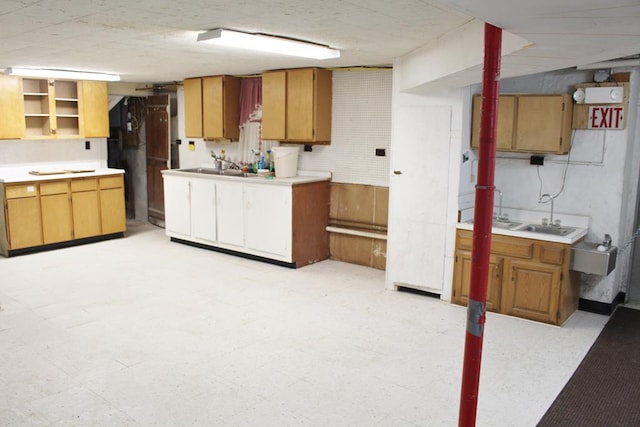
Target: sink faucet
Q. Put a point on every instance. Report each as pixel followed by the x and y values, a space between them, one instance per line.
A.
pixel 221 159
pixel 549 199
pixel 500 217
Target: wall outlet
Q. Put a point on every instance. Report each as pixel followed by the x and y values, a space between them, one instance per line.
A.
pixel 87 145
pixel 308 147
pixel 537 160
pixel 381 152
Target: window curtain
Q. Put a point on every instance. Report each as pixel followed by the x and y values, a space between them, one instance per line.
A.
pixel 251 120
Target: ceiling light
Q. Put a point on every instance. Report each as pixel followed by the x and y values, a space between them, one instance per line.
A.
pixel 61 74
pixel 267 43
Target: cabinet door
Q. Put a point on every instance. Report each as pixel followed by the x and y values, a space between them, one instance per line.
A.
pixel 230 215
pixel 300 104
pixel 57 218
pixel 531 290
pixel 540 123
pixel 86 214
pixel 95 109
pixel 274 102
pixel 12 120
pixel 24 222
pixel 268 219
pixel 203 209
pixel 112 210
pixel 506 121
pixel 212 107
pixel 462 280
pixel 177 205
pixel 193 107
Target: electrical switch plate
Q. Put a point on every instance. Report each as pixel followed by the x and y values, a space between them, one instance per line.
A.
pixel 87 145
pixel 381 152
pixel 308 147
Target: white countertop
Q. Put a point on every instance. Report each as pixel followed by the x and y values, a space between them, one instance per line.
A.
pixel 570 238
pixel 303 177
pixel 16 174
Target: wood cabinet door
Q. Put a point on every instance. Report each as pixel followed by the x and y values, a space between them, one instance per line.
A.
pixel 212 107
pixel 300 105
pixel 12 120
pixel 24 222
pixel 57 218
pixel 540 123
pixel 462 280
pixel 86 214
pixel 274 105
pixel 506 122
pixel 531 290
pixel 95 109
pixel 112 210
pixel 193 107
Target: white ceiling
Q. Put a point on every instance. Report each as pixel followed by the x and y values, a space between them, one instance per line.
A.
pixel 155 40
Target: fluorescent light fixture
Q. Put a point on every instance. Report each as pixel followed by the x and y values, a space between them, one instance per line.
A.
pixel 267 43
pixel 61 74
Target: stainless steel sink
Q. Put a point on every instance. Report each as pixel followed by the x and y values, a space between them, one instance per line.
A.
pixel 556 231
pixel 223 172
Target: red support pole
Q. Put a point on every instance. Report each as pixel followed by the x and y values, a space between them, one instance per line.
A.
pixel 482 222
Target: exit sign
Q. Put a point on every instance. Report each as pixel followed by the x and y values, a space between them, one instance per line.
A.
pixel 605 117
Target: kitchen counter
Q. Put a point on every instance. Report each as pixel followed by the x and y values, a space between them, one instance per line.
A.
pixel 304 177
pixel 19 174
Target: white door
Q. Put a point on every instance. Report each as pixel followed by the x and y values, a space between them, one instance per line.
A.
pixel 268 221
pixel 177 205
pixel 418 198
pixel 203 209
pixel 229 208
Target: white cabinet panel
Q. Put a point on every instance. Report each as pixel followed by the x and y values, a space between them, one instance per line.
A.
pixel 268 219
pixel 203 209
pixel 230 213
pixel 177 205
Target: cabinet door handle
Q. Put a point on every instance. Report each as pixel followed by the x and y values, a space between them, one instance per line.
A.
pixel 397 172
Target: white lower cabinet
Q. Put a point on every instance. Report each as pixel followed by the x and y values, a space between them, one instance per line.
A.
pixel 190 208
pixel 230 213
pixel 268 219
pixel 177 205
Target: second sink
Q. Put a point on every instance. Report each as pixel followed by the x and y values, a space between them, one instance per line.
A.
pixel 556 231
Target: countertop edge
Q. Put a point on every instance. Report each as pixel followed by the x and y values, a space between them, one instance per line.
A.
pixel 570 239
pixel 300 179
pixel 26 177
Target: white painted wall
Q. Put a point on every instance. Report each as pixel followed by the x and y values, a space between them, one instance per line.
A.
pixel 19 152
pixel 601 179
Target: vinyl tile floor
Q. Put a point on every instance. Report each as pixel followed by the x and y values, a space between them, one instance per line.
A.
pixel 141 331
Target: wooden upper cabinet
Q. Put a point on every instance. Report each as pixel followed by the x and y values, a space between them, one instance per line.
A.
pixel 212 107
pixel 529 123
pixel 193 107
pixel 11 108
pixel 304 103
pixel 274 105
pixel 506 122
pixel 544 123
pixel 95 109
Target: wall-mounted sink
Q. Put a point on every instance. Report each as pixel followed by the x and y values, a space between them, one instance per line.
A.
pixel 556 231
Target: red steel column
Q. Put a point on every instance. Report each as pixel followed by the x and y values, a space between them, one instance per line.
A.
pixel 482 221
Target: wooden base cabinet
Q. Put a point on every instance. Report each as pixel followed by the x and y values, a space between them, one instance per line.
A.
pixel 527 278
pixel 41 213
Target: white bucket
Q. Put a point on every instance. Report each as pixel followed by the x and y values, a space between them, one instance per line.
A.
pixel 286 161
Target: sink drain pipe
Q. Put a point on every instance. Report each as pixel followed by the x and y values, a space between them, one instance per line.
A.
pixel 482 222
